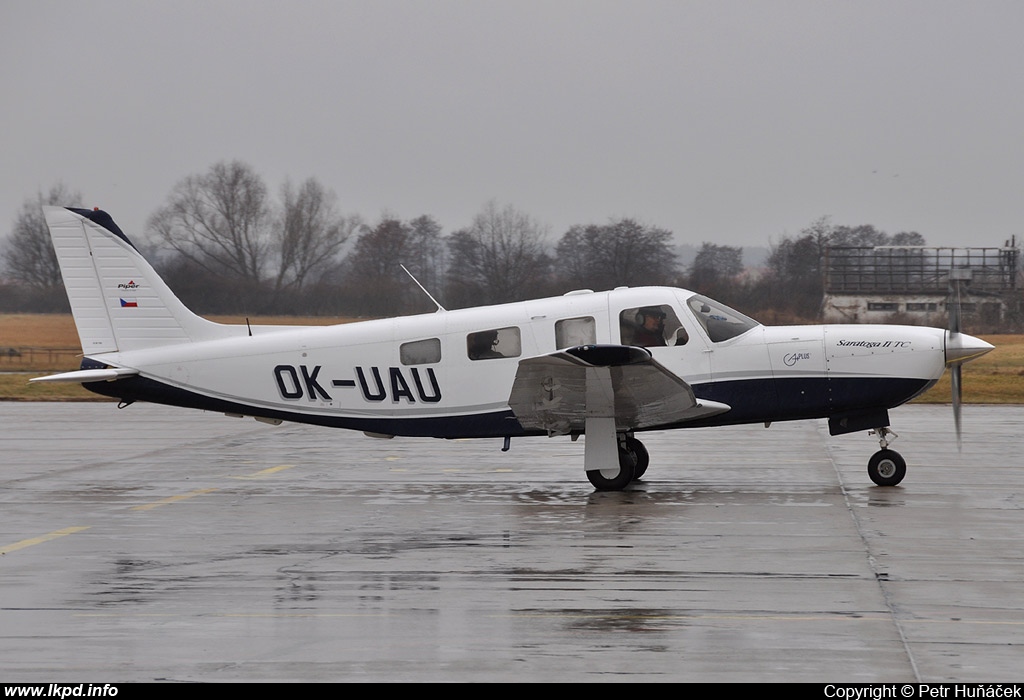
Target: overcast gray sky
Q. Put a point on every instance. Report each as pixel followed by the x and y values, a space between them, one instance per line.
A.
pixel 737 121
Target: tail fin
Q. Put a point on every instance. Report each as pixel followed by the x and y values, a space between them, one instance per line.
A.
pixel 118 300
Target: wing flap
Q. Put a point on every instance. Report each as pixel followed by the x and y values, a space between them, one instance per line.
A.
pixel 556 393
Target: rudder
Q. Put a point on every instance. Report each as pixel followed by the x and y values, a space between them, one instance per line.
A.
pixel 118 301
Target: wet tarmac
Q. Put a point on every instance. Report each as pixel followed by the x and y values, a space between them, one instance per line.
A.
pixel 160 544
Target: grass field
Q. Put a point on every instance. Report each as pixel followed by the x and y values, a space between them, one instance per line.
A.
pixel 32 345
pixel 36 344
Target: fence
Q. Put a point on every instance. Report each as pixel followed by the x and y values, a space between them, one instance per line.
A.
pixel 29 358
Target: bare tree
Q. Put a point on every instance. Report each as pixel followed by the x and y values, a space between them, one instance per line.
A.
pixel 310 234
pixel 429 263
pixel 622 252
pixel 499 258
pixel 909 238
pixel 374 280
pixel 219 221
pixel 864 235
pixel 792 282
pixel 715 269
pixel 29 257
pixel 576 265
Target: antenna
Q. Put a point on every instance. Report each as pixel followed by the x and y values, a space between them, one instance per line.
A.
pixel 439 307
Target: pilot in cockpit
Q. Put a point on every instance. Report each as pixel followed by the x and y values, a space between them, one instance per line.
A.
pixel 651 330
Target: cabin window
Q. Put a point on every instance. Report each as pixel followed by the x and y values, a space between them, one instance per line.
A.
pixel 570 332
pixel 493 344
pixel 420 352
pixel 720 322
pixel 651 326
pixel 883 306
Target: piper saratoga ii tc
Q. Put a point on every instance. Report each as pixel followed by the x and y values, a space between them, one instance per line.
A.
pixel 606 365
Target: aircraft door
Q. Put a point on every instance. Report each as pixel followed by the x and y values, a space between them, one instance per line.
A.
pixel 670 336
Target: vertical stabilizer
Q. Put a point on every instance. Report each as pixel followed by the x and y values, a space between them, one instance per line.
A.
pixel 118 300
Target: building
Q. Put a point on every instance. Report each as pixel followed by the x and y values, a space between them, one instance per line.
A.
pixel 916 284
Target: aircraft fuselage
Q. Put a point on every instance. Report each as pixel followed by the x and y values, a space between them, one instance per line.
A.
pixel 419 375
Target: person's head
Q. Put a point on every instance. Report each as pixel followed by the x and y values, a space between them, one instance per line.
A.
pixel 653 317
pixel 483 341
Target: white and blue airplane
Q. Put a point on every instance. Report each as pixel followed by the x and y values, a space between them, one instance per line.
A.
pixel 606 365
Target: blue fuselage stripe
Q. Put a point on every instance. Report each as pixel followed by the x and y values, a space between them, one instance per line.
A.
pixel 752 401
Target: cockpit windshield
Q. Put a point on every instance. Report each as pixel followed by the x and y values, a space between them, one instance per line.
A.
pixel 720 322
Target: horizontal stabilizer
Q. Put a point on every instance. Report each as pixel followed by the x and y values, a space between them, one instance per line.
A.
pixel 88 375
pixel 556 393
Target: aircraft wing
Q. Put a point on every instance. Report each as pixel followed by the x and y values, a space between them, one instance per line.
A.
pixel 556 393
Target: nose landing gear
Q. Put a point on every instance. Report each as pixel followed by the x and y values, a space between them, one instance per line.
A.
pixel 886 467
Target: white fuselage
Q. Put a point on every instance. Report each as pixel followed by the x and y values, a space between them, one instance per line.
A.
pixel 401 375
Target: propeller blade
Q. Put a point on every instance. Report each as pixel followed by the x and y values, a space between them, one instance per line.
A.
pixel 956 369
pixel 955 375
pixel 954 311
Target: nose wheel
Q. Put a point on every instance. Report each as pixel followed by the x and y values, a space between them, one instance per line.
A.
pixel 886 467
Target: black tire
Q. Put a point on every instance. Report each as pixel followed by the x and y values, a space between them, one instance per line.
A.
pixel 887 468
pixel 604 481
pixel 642 458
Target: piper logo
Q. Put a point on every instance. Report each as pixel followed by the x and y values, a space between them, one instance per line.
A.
pixel 129 285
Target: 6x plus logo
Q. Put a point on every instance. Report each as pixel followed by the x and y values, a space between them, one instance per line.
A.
pixel 794 357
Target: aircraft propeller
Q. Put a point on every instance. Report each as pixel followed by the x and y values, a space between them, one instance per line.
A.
pixel 956 368
pixel 959 349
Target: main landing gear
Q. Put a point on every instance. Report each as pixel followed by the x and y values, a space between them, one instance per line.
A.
pixel 633 463
pixel 886 467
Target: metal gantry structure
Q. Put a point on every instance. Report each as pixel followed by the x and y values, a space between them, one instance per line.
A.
pixel 863 283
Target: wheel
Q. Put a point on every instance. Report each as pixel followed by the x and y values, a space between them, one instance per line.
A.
pixel 642 458
pixel 610 480
pixel 887 468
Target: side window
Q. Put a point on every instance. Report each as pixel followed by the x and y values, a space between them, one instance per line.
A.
pixel 570 332
pixel 420 352
pixel 501 342
pixel 651 326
